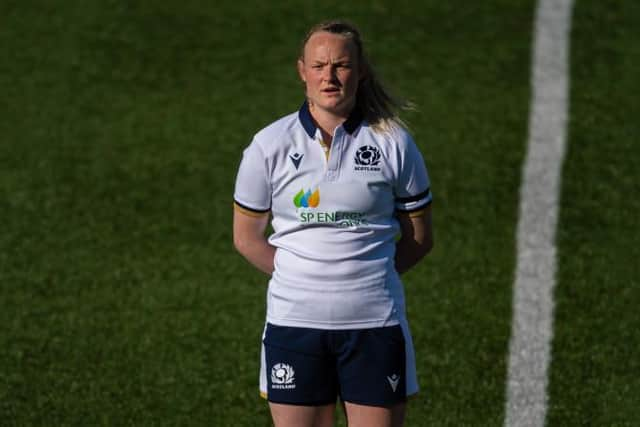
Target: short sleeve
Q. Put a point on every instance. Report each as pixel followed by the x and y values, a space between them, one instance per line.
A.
pixel 413 187
pixel 253 190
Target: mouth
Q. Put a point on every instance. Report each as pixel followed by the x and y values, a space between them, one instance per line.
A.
pixel 331 90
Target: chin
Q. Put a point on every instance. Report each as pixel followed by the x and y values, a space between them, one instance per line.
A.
pixel 335 106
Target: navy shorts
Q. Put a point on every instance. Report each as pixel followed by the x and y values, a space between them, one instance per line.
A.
pixel 316 366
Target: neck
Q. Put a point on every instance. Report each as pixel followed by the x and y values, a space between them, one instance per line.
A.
pixel 327 122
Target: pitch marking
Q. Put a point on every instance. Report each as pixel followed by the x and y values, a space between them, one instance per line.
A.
pixel 532 325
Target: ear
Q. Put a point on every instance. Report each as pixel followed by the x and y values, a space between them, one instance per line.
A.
pixel 301 72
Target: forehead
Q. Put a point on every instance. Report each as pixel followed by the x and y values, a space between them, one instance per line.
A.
pixel 323 44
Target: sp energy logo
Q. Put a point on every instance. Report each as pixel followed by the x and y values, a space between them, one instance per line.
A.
pixel 306 202
pixel 367 158
pixel 283 376
pixel 307 199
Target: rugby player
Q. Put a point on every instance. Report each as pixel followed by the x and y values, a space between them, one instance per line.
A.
pixel 349 199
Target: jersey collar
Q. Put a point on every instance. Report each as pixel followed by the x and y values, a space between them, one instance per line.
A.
pixel 350 125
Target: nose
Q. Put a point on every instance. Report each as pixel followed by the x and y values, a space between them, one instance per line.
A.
pixel 329 73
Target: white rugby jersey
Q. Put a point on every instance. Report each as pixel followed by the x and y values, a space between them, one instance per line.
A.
pixel 333 218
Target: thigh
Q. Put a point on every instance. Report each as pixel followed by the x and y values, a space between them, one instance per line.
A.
pixel 302 416
pixel 375 416
pixel 371 365
pixel 300 370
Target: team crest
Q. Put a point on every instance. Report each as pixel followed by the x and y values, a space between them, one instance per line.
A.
pixel 282 376
pixel 367 158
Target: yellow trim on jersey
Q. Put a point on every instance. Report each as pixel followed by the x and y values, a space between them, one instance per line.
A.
pixel 326 148
pixel 247 212
pixel 418 213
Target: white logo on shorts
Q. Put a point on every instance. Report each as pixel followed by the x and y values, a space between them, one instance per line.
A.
pixel 393 381
pixel 282 376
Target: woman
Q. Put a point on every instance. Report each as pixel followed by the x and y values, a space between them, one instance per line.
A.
pixel 340 178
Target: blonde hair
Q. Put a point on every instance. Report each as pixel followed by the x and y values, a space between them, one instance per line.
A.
pixel 376 104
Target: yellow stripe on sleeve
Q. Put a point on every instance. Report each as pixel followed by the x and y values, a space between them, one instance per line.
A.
pixel 248 212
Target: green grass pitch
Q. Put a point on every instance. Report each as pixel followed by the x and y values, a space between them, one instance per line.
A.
pixel 122 301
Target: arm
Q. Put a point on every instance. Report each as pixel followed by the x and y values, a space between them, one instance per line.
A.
pixel 416 239
pixel 250 241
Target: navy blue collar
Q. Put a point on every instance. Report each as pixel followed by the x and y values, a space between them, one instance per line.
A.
pixel 350 125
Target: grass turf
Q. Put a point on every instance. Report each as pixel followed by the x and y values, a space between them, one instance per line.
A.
pixel 123 123
pixel 595 371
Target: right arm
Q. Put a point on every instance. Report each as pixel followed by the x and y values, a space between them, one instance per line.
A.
pixel 416 238
pixel 250 240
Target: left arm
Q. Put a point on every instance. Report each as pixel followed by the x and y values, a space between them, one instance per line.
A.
pixel 416 239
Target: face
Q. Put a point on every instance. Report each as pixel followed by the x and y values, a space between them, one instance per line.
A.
pixel 330 72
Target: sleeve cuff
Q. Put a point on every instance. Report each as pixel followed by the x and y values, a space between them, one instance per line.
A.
pixel 246 210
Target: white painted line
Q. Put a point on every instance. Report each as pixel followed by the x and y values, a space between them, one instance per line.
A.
pixel 532 325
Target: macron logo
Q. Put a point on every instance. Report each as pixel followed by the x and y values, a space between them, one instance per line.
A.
pixel 393 381
pixel 296 158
